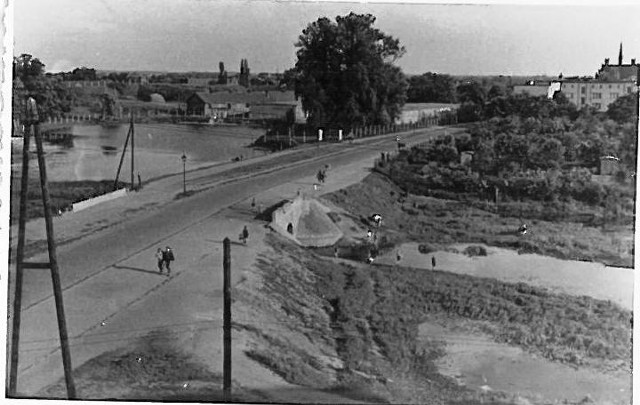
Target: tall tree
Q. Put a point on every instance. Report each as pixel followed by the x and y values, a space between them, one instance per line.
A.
pixel 222 76
pixel 53 98
pixel 346 72
pixel 431 88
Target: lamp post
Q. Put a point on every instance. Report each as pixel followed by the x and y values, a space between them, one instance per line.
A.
pixel 184 173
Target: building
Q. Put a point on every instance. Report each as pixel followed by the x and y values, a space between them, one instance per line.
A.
pixel 610 83
pixel 609 165
pixel 260 105
pixel 208 105
pixel 532 88
pixel 538 89
pixel 619 72
pixel 416 112
pixel 595 93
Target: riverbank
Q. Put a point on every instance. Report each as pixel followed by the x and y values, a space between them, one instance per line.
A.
pixel 63 195
pixel 437 223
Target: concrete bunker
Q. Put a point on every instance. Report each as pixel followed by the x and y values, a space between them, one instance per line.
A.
pixel 305 221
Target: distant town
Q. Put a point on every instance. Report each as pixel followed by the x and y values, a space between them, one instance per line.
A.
pixel 339 232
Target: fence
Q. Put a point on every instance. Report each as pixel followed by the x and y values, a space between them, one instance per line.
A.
pixel 306 134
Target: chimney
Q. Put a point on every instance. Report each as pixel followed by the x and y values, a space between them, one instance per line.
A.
pixel 606 61
pixel 633 61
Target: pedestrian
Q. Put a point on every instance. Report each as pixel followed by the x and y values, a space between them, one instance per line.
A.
pixel 398 257
pixel 433 262
pixel 245 235
pixel 377 218
pixel 160 259
pixel 335 252
pixel 523 229
pixel 369 234
pixel 139 182
pixel 168 257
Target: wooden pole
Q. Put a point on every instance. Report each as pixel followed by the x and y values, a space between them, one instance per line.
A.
pixel 124 150
pixel 53 263
pixel 226 374
pixel 132 153
pixel 17 299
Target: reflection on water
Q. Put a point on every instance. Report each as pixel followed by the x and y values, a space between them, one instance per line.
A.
pixel 93 151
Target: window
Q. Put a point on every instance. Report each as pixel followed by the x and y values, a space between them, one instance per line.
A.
pixel 596 95
pixel 614 95
pixel 609 86
pixel 583 90
pixel 600 86
pixel 583 100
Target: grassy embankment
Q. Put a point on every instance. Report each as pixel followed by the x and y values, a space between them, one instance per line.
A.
pixel 439 222
pixel 373 313
pixel 63 194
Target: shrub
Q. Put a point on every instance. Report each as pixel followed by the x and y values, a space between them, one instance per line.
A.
pixel 475 250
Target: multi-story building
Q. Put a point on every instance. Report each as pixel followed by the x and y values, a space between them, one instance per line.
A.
pixel 610 83
pixel 595 93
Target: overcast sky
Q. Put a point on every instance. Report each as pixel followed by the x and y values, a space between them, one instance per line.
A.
pixel 194 35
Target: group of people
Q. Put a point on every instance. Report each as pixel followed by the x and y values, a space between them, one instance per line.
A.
pixel 164 258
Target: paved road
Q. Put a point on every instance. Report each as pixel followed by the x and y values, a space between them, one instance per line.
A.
pixel 106 274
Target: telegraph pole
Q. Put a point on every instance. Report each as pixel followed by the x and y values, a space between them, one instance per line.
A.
pixel 124 150
pixel 132 152
pixel 226 327
pixel 33 121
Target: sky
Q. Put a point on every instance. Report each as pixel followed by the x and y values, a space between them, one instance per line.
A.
pixel 195 35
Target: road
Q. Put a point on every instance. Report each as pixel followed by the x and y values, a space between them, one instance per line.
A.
pixel 107 274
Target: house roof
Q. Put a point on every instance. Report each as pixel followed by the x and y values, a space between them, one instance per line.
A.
pixel 262 97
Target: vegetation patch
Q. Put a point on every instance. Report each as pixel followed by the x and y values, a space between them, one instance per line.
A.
pixel 443 221
pixel 153 368
pixel 63 195
pixel 475 250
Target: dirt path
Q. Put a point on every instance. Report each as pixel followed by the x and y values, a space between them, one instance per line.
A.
pixel 565 276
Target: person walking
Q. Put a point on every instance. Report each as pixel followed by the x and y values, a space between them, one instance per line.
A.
pixel 160 259
pixel 245 235
pixel 433 262
pixel 168 257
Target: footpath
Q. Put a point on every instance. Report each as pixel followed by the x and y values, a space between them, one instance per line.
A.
pixel 127 298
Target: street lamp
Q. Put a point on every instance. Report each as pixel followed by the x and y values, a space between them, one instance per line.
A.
pixel 184 173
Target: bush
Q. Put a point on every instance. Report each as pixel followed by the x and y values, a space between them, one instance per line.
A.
pixel 426 248
pixel 475 250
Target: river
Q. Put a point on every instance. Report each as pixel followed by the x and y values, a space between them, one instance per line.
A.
pixel 93 151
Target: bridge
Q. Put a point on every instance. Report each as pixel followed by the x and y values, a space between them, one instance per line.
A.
pixel 55 127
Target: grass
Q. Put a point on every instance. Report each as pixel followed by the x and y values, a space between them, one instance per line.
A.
pixel 436 223
pixel 63 195
pixel 151 368
pixel 373 314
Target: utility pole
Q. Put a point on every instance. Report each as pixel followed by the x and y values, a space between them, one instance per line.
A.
pixel 33 121
pixel 124 150
pixel 132 152
pixel 226 327
pixel 184 173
